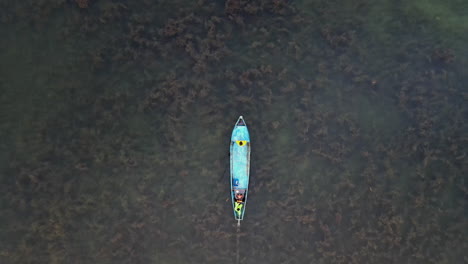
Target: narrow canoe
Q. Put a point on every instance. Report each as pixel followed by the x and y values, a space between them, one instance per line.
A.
pixel 240 167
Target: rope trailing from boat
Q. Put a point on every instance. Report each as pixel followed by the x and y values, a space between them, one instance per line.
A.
pixel 237 242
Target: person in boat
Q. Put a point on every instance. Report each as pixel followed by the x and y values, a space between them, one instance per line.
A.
pixel 239 196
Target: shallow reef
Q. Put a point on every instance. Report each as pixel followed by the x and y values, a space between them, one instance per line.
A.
pixel 117 123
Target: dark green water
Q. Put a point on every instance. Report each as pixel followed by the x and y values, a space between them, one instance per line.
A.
pixel 115 122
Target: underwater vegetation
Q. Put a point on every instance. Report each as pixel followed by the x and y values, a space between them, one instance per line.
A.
pixel 114 153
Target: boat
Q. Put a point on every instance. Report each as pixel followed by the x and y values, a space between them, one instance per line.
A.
pixel 240 168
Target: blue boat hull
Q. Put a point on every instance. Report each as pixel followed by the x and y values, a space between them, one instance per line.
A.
pixel 240 167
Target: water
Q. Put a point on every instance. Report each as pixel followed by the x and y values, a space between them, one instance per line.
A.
pixel 115 123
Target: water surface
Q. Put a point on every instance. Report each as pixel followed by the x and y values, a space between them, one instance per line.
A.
pixel 115 121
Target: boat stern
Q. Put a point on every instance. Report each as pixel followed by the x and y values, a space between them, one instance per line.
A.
pixel 239 197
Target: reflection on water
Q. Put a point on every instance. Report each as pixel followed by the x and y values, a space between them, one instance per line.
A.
pixel 115 120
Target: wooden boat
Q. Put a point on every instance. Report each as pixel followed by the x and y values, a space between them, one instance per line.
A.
pixel 240 168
